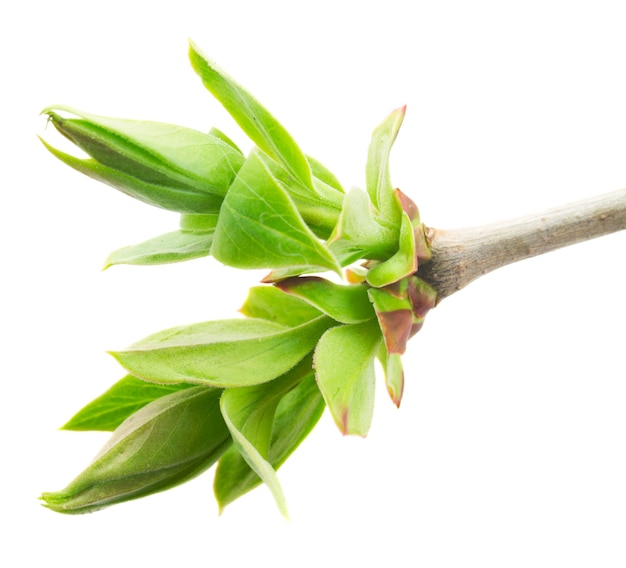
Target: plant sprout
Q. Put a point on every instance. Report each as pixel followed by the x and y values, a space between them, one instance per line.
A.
pixel 245 392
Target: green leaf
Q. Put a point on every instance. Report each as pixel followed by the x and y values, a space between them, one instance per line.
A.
pixel 270 303
pixel 165 165
pixel 394 374
pixel 219 134
pixel 223 353
pixel 297 414
pixel 403 263
pixel 323 174
pixel 262 128
pixel 177 246
pixel 165 443
pixel 377 175
pixel 344 367
pixel 319 207
pixel 260 227
pixel 174 199
pixel 358 234
pixel 198 223
pixel 395 317
pixel 125 397
pixel 249 414
pixel 345 304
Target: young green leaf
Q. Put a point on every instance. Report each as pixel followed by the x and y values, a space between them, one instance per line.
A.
pixel 164 444
pixel 345 304
pixel 260 227
pixel 395 317
pixel 176 246
pixel 223 353
pixel 165 165
pixel 297 414
pixel 323 174
pixel 254 119
pixel 270 303
pixel 125 397
pixel 198 223
pixel 358 234
pixel 344 368
pixel 319 207
pixel 249 414
pixel 378 178
pixel 403 263
pixel 394 374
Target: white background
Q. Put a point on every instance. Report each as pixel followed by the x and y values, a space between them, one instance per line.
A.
pixel 510 446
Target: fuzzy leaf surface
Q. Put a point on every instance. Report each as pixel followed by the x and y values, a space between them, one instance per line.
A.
pixel 125 397
pixel 164 444
pixel 222 353
pixel 344 367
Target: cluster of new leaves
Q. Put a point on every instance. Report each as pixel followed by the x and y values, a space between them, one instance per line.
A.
pixel 245 392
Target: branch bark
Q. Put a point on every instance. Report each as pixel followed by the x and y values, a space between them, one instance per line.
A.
pixel 462 255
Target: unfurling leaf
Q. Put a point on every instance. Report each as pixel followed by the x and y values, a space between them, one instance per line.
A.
pixel 168 166
pixel 162 445
pixel 223 353
pixel 297 414
pixel 249 414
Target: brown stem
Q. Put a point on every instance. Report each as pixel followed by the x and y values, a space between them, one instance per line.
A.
pixel 462 255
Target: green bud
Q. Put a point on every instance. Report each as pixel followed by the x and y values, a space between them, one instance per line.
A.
pixel 165 443
pixel 164 165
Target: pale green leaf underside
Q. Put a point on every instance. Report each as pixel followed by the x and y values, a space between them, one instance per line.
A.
pixel 176 246
pixel 223 353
